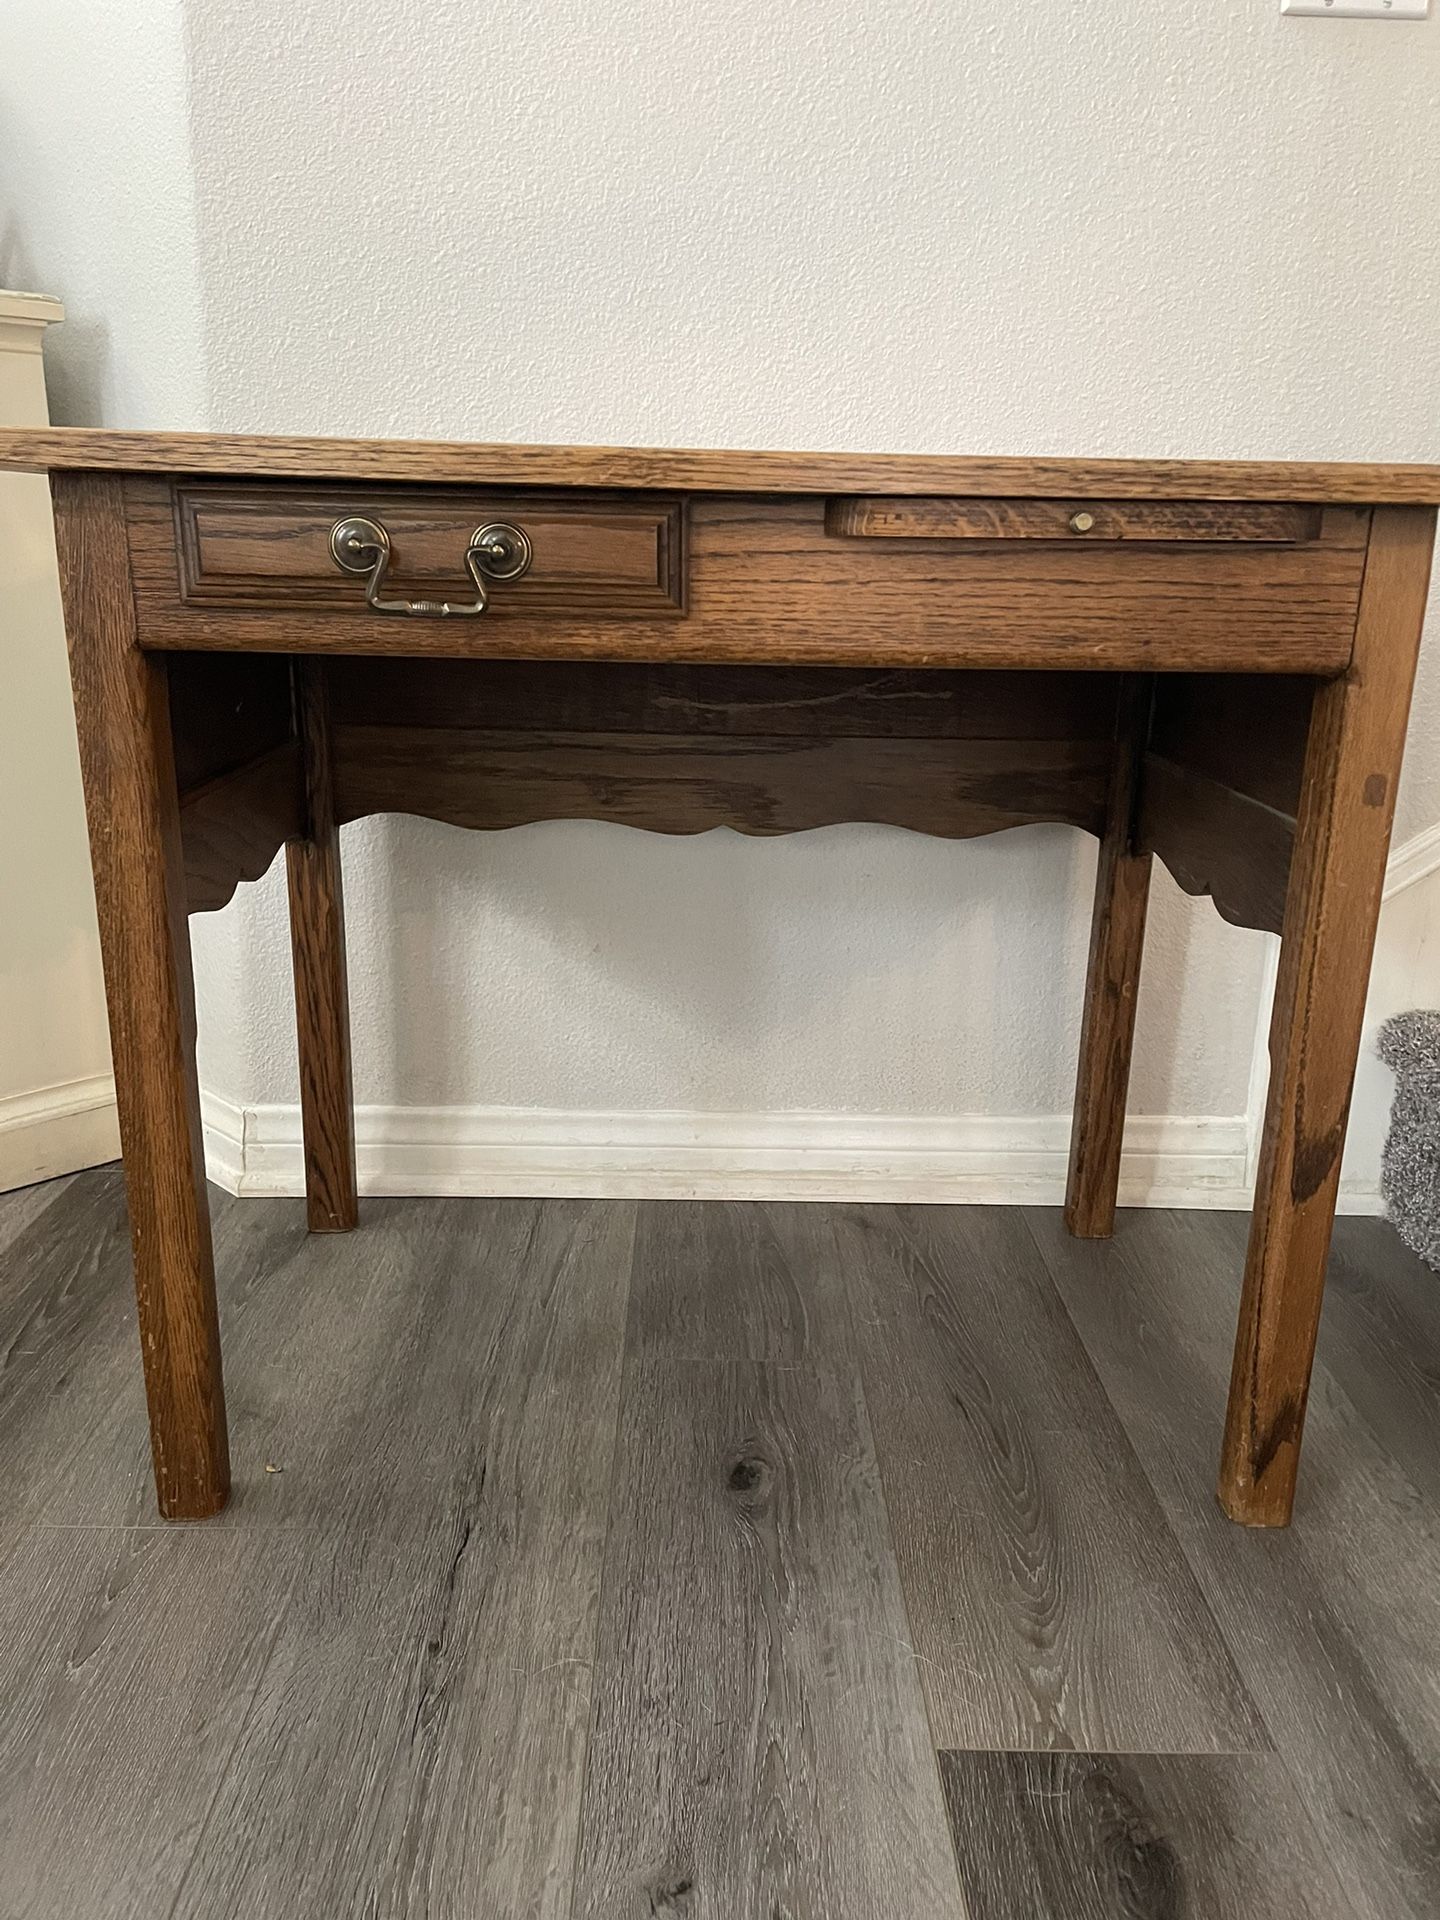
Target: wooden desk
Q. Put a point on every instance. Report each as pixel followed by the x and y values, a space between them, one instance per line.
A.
pixel 1210 662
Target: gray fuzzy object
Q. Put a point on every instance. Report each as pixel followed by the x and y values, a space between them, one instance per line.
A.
pixel 1410 1172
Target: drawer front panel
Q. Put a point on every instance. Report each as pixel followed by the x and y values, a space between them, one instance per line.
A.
pixel 877 517
pixel 1185 606
pixel 593 554
pixel 734 578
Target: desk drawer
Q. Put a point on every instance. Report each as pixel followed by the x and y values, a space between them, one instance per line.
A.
pixel 592 554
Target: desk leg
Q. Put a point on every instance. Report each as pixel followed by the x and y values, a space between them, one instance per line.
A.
pixel 1342 837
pixel 317 944
pixel 1117 941
pixel 123 719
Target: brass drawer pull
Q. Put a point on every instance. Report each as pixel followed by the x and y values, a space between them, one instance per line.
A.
pixel 497 551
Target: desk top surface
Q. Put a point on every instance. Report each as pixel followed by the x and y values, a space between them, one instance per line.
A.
pixel 459 463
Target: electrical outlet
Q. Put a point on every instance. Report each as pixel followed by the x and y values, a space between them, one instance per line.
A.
pixel 1360 9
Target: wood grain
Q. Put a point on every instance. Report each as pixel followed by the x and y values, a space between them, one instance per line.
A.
pixel 326 1338
pixel 738 1280
pixel 1382 1313
pixel 621 553
pixel 753 1631
pixel 1333 1623
pixel 679 783
pixel 767 584
pixel 1347 804
pixel 490 745
pixel 1220 787
pixel 752 1642
pixel 232 827
pixel 463 463
pixel 885 517
pixel 128 1662
pixel 1112 985
pixel 1216 842
pixel 133 808
pixel 72 1389
pixel 1145 1836
pixel 237 768
pixel 1023 1524
pixel 417 1742
pixel 683 749
pixel 586 696
pixel 21 1207
pixel 254 1717
pixel 317 947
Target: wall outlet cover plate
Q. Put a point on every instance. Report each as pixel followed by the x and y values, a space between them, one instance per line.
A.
pixel 1359 9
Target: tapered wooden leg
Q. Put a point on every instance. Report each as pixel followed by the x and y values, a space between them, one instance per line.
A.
pixel 1117 941
pixel 322 1002
pixel 122 712
pixel 1342 836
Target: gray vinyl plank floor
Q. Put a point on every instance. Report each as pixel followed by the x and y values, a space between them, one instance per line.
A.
pixel 1098 1836
pixel 1335 1622
pixel 765 1562
pixel 1050 1602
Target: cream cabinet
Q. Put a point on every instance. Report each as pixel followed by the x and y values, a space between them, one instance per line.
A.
pixel 57 1105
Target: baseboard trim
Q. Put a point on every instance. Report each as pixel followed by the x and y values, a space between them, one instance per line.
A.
pixel 56 1130
pixel 1415 860
pixel 1170 1161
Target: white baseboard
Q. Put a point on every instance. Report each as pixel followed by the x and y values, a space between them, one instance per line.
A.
pixel 1415 860
pixel 1170 1161
pixel 57 1130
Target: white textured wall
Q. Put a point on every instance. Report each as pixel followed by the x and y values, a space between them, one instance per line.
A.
pixel 95 197
pixel 1137 229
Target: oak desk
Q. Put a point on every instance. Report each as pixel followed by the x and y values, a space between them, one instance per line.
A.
pixel 1207 661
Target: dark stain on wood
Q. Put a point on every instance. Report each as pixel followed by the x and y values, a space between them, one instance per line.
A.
pixel 1316 1156
pixel 1282 1430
